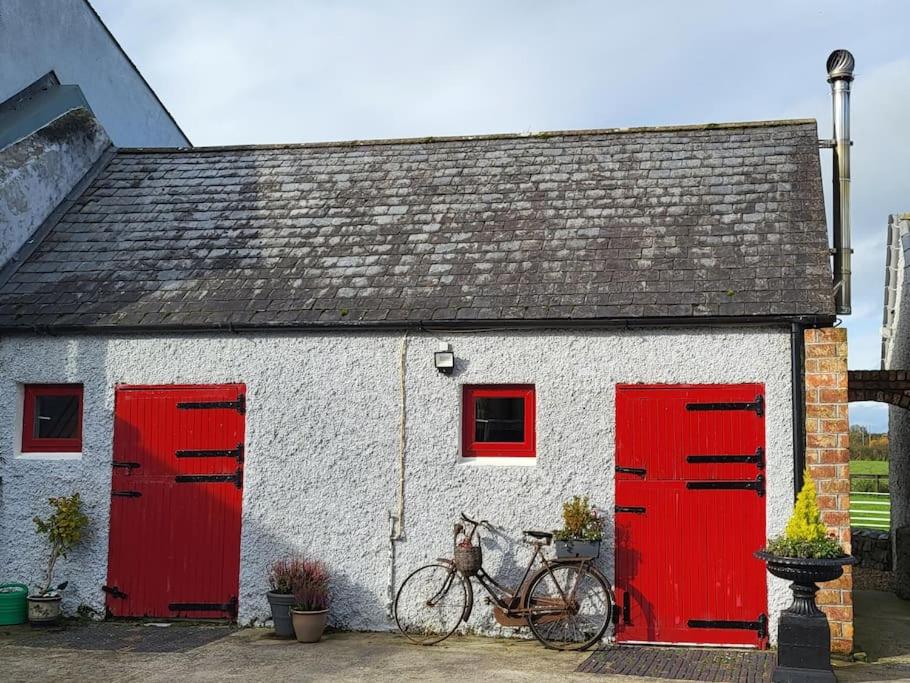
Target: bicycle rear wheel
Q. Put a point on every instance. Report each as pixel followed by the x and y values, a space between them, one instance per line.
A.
pixel 570 607
pixel 431 603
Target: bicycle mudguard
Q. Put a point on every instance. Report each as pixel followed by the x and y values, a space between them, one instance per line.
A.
pixel 469 604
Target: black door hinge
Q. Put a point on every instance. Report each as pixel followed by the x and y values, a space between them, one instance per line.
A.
pixel 225 453
pixel 638 471
pixel 626 608
pixel 630 508
pixel 758 485
pixel 239 405
pixel 125 465
pixel 758 458
pixel 230 607
pixel 126 494
pixel 757 406
pixel 760 625
pixel 114 592
pixel 236 478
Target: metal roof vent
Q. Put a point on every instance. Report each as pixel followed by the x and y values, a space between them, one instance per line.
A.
pixel 840 74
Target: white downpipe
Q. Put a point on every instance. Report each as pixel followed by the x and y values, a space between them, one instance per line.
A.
pixel 396 522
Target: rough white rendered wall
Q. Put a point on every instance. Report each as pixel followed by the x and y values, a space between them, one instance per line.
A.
pixel 898 358
pixel 322 439
pixel 38 172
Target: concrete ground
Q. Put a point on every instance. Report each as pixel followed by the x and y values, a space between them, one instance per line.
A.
pixel 882 632
pixel 254 655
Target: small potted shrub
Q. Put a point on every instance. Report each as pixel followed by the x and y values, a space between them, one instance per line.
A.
pixel 582 530
pixel 283 577
pixel 64 529
pixel 311 602
pixel 805 555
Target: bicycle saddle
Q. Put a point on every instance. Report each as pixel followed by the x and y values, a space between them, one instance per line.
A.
pixel 545 535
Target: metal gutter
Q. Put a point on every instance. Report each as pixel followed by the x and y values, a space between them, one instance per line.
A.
pixel 798 400
pixel 817 320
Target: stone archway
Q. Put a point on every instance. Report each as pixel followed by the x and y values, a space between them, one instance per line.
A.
pixel 884 386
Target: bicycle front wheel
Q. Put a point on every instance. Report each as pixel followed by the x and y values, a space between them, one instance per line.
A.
pixel 431 603
pixel 569 607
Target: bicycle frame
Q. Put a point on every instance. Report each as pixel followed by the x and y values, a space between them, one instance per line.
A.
pixel 513 601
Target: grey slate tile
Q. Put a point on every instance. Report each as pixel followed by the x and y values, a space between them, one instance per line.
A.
pixel 573 225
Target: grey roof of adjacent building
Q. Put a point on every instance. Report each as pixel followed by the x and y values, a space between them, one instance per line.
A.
pixel 685 222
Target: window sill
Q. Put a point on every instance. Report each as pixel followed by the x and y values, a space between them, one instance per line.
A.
pixel 73 455
pixel 501 461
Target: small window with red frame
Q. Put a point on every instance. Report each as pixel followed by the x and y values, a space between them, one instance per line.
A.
pixel 498 420
pixel 52 418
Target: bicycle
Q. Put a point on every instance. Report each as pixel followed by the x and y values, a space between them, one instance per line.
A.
pixel 568 604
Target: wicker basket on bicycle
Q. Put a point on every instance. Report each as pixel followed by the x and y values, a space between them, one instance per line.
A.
pixel 468 559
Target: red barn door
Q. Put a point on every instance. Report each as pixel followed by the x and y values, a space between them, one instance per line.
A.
pixel 690 511
pixel 175 501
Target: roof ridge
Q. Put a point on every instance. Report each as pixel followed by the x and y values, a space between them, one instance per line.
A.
pixel 772 123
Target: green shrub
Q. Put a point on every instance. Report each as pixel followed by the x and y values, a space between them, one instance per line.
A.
pixel 806 536
pixel 64 529
pixel 580 521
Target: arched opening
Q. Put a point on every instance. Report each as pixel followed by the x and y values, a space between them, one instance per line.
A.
pixel 880 516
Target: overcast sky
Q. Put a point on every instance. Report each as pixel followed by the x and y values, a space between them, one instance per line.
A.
pixel 236 71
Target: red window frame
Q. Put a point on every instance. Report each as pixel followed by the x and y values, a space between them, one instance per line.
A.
pixel 34 444
pixel 510 449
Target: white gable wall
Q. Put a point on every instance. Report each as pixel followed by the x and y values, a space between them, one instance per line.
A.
pixel 321 471
pixel 66 37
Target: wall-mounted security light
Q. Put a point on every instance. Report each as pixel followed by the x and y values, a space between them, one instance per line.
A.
pixel 444 359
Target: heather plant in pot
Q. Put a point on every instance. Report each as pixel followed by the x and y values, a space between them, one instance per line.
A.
pixel 64 529
pixel 284 576
pixel 582 529
pixel 311 602
pixel 804 554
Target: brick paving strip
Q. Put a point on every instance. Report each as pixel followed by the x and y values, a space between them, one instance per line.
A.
pixel 119 636
pixel 693 664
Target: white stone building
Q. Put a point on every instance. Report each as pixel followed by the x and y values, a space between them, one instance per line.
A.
pixel 229 352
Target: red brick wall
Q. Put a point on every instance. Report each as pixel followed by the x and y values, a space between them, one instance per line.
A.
pixel 828 460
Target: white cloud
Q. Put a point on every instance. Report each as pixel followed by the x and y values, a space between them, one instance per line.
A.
pixel 233 71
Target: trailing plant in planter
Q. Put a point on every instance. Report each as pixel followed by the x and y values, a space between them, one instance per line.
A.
pixel 582 529
pixel 284 576
pixel 804 554
pixel 64 529
pixel 311 601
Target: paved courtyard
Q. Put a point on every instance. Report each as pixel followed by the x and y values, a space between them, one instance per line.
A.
pixel 121 651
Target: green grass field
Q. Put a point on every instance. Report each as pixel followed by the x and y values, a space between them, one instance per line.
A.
pixel 869 510
pixel 869 467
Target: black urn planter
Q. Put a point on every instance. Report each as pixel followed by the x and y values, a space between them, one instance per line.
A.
pixel 803 635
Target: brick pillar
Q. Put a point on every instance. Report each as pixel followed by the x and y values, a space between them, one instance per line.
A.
pixel 828 460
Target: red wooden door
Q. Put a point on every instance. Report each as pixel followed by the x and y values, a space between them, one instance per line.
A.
pixel 176 491
pixel 690 511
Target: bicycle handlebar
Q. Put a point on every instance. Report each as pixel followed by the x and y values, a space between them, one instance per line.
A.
pixel 467 519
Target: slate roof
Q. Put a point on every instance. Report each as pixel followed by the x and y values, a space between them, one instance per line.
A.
pixel 698 221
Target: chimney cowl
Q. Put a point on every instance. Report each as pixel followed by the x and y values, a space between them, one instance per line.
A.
pixel 840 66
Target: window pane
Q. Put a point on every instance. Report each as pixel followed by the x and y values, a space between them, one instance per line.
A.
pixel 499 419
pixel 56 417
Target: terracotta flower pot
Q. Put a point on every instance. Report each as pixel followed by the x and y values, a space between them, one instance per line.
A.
pixel 44 610
pixel 308 626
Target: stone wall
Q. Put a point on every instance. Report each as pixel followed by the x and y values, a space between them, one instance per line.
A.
pixel 322 444
pixel 828 461
pixel 872 548
pixel 38 172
